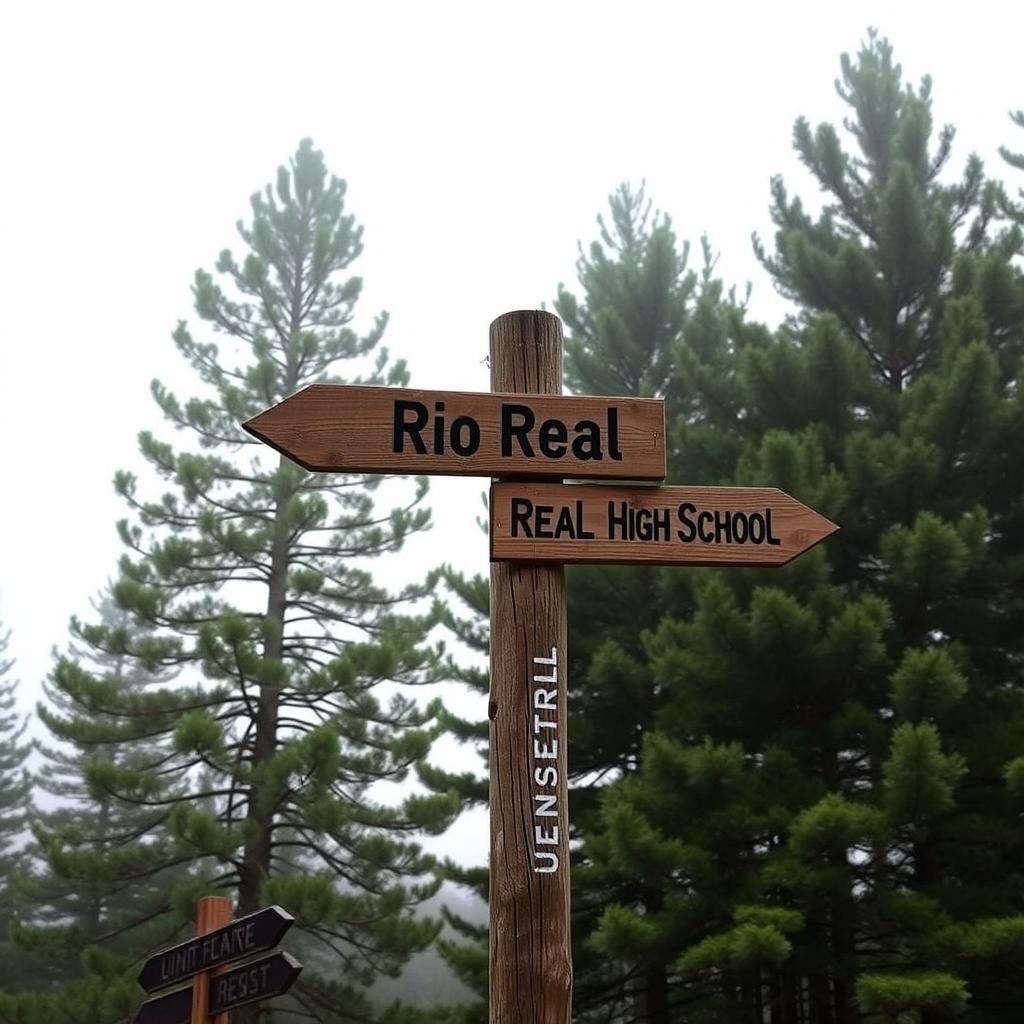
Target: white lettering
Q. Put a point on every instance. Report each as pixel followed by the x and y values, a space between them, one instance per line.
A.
pixel 546 805
pixel 547 838
pixel 545 700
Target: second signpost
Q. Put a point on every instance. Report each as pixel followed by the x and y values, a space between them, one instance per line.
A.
pixel 524 433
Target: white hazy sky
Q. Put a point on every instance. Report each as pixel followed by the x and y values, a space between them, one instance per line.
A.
pixel 479 141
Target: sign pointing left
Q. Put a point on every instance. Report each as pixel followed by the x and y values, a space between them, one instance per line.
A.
pixel 252 934
pixel 340 428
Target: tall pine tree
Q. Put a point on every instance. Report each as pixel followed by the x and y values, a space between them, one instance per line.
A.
pixel 870 692
pixel 70 911
pixel 14 806
pixel 249 577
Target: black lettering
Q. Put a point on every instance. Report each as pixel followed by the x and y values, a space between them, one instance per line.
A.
pixel 552 437
pixel 772 539
pixel 403 426
pixel 565 524
pixel 439 429
pixel 542 520
pixel 511 429
pixel 613 434
pixel 756 528
pixel 689 530
pixel 472 443
pixel 586 445
pixel 738 520
pixel 580 532
pixel 643 523
pixel 522 510
pixel 617 521
pixel 661 521
pixel 723 524
pixel 702 519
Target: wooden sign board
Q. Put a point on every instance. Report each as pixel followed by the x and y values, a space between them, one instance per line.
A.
pixel 743 526
pixel 351 429
pixel 260 979
pixel 254 933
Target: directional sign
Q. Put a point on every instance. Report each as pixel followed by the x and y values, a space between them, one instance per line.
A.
pixel 338 428
pixel 260 979
pixel 252 934
pixel 173 1008
pixel 745 526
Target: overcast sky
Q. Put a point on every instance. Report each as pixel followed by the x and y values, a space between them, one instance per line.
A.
pixel 479 141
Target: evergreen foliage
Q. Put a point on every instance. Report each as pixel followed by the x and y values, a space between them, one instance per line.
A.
pixel 14 779
pixel 797 791
pixel 14 806
pixel 262 760
pixel 871 690
pixel 71 908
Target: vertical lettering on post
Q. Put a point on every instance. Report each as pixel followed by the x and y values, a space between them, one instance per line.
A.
pixel 544 692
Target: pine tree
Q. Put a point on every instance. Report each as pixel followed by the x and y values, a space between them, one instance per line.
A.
pixel 871 690
pixel 14 806
pixel 248 578
pixel 69 911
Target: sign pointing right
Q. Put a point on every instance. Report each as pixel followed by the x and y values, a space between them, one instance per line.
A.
pixel 744 526
pixel 252 934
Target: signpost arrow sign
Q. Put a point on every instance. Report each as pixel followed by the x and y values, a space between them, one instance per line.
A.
pixel 261 979
pixel 744 526
pixel 173 1008
pixel 254 933
pixel 342 428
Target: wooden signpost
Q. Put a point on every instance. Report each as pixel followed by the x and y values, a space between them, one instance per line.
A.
pixel 219 941
pixel 524 432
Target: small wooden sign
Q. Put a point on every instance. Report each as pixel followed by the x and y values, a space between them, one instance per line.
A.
pixel 173 1008
pixel 352 429
pixel 744 526
pixel 265 978
pixel 260 979
pixel 255 933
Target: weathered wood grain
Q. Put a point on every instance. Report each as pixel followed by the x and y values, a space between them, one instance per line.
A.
pixel 353 429
pixel 530 958
pixel 212 913
pixel 741 526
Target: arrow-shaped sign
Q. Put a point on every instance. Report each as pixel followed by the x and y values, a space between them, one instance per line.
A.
pixel 251 934
pixel 173 1008
pixel 744 526
pixel 354 429
pixel 261 979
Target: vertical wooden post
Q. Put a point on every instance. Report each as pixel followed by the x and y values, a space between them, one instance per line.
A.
pixel 530 956
pixel 212 913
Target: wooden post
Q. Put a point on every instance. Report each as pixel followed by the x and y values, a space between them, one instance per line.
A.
pixel 212 913
pixel 530 956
